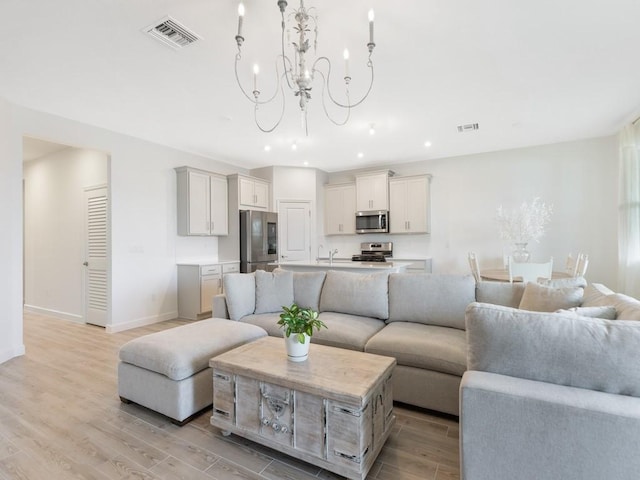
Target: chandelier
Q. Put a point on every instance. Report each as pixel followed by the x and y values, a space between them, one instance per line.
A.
pixel 294 70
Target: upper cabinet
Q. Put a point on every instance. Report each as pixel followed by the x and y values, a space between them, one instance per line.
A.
pixel 372 191
pixel 409 204
pixel 253 193
pixel 340 209
pixel 202 202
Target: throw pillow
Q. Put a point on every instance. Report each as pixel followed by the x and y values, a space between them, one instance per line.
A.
pixel 274 290
pixel 606 312
pixel 240 292
pixel 563 282
pixel 538 298
pixel 307 287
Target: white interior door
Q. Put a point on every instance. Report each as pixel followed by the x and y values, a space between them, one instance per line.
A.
pixel 96 256
pixel 294 220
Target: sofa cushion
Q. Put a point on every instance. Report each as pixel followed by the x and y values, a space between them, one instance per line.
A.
pixel 431 347
pixel 346 331
pixel 500 293
pixel 356 294
pixel 180 352
pixel 431 299
pixel 549 347
pixel 307 287
pixel 240 293
pixel 607 312
pixel 266 321
pixel 274 290
pixel 539 298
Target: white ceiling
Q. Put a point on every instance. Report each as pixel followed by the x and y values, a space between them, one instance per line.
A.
pixel 529 73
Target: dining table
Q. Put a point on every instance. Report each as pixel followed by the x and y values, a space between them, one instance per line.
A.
pixel 502 275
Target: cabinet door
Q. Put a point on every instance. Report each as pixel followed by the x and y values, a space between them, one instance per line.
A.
pixel 372 192
pixel 199 204
pixel 348 209
pixel 219 212
pixel 210 286
pixel 247 196
pixel 397 206
pixel 261 192
pixel 332 211
pixel 417 205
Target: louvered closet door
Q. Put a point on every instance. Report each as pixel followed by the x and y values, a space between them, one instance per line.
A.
pixel 96 256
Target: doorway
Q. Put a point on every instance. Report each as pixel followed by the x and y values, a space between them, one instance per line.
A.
pixel 294 219
pixel 57 179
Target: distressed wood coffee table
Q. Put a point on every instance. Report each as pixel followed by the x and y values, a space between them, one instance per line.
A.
pixel 334 410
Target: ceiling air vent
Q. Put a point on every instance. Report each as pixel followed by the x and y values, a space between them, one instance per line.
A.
pixel 469 127
pixel 172 33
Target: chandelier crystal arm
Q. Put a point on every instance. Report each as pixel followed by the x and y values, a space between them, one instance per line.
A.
pixel 326 81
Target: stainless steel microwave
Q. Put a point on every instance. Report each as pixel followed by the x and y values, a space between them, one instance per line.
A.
pixel 374 221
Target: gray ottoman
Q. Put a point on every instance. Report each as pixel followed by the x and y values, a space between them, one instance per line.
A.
pixel 169 372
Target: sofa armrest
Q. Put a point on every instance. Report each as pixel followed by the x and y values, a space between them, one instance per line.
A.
pixel 219 308
pixel 517 428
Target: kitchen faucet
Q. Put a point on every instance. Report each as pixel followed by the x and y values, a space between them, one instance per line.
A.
pixel 331 254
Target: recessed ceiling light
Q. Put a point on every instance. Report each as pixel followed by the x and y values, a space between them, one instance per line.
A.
pixel 427 144
pixel 267 148
pixel 294 146
pixel 360 154
pixel 306 164
pixel 372 129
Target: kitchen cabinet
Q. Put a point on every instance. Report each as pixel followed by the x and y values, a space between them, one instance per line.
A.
pixel 202 202
pixel 340 209
pixel 198 283
pixel 409 204
pixel 253 194
pixel 372 191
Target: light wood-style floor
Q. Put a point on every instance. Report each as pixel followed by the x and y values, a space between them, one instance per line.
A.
pixel 60 418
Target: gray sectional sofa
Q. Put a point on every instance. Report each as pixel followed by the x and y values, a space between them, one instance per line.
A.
pixel 552 395
pixel 417 318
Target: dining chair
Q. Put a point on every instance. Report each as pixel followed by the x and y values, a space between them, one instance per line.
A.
pixel 572 264
pixel 475 268
pixel 581 265
pixel 529 271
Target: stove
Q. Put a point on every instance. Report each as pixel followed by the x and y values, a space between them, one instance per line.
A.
pixel 374 252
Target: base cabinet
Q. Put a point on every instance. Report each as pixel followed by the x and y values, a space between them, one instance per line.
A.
pixel 197 285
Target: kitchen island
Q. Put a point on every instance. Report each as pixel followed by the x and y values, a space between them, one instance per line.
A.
pixel 343 265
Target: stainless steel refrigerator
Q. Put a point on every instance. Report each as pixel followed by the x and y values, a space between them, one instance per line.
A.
pixel 258 240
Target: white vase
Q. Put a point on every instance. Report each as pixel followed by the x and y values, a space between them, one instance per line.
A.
pixel 520 254
pixel 296 351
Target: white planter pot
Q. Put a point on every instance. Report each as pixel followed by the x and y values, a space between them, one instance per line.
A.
pixel 296 351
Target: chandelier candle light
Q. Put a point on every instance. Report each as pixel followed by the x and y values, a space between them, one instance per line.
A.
pixel 523 225
pixel 296 74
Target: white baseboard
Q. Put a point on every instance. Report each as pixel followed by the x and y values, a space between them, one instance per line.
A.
pixel 141 322
pixel 10 353
pixel 72 317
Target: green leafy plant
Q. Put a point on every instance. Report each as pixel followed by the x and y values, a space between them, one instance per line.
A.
pixel 296 320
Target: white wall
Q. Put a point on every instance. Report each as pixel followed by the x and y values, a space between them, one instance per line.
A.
pixel 578 178
pixel 143 219
pixel 54 207
pixel 11 343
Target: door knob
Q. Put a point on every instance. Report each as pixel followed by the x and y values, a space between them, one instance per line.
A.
pixel 86 264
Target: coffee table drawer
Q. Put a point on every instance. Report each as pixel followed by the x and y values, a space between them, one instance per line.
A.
pixel 224 405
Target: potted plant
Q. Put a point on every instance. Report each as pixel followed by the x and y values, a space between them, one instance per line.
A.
pixel 298 324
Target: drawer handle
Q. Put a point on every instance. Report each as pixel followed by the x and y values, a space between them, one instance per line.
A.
pixel 348 411
pixel 353 458
pixel 217 411
pixel 222 376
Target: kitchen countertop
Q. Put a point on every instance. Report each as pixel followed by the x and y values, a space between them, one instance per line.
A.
pixel 201 262
pixel 343 264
